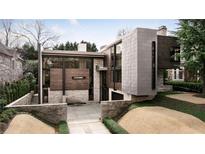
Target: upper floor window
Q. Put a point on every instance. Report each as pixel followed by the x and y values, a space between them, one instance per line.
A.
pixel 174 54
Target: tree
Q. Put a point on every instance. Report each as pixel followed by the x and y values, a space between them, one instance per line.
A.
pixel 6 26
pixel 122 32
pixel 191 34
pixel 61 47
pixel 29 52
pixel 37 33
pixel 91 47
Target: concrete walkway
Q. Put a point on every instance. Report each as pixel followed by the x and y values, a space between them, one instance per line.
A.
pixel 188 97
pixel 85 119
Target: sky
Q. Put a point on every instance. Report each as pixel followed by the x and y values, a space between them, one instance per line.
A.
pixel 100 31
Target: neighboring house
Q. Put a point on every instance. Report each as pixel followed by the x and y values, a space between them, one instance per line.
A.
pixel 130 68
pixel 10 65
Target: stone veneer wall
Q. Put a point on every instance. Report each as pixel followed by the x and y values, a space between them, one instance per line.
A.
pixel 55 96
pixel 161 87
pixel 24 100
pixel 137 62
pixel 96 79
pixel 78 94
pixel 113 108
pixel 53 113
pixel 10 70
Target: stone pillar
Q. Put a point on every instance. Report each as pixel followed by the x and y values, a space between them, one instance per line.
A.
pixel 96 79
pixel 161 87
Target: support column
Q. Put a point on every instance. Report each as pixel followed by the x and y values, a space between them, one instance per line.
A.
pixel 40 83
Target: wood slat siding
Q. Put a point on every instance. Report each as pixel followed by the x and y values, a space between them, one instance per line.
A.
pixel 56 79
pixel 164 43
pixel 72 84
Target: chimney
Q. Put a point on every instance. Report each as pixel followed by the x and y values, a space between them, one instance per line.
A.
pixel 82 47
pixel 162 31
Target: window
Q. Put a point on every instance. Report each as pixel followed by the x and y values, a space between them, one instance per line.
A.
pixel 175 74
pixel 180 74
pixel 153 65
pixel 117 76
pixel 174 54
pixel 116 62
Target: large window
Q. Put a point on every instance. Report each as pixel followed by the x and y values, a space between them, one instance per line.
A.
pixel 116 63
pixel 153 65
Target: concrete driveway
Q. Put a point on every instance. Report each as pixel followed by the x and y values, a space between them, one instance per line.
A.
pixel 160 120
pixel 85 119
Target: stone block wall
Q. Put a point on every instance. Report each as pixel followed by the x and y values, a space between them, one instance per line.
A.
pixel 96 79
pixel 55 96
pixel 10 69
pixel 53 113
pixel 24 100
pixel 137 62
pixel 78 94
pixel 161 87
pixel 113 108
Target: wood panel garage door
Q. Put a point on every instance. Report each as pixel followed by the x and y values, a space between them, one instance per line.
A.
pixel 77 79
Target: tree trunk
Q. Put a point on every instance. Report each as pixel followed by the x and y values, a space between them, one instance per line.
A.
pixel 203 78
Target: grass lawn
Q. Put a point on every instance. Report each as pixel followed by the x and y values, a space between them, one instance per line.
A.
pixel 197 110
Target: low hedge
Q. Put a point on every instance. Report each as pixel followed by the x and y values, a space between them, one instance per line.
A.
pixel 63 127
pixel 7 114
pixel 186 86
pixel 113 126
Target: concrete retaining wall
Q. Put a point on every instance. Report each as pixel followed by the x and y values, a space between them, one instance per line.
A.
pixel 113 108
pixel 52 113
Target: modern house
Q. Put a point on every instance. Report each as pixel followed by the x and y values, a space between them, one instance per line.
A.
pixel 130 68
pixel 10 65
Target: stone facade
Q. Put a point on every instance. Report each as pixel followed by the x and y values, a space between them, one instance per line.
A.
pixel 53 113
pixel 113 108
pixel 161 87
pixel 78 94
pixel 55 96
pixel 10 65
pixel 137 62
pixel 24 100
pixel 96 79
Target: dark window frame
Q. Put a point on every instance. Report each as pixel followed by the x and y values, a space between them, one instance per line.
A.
pixel 153 65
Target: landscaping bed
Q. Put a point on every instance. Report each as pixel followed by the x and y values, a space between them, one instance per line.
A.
pixel 24 123
pixel 197 110
pixel 160 120
pixel 63 127
pixel 113 126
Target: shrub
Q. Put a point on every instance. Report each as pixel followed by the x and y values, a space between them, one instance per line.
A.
pixel 7 114
pixel 3 103
pixel 63 127
pixel 186 86
pixel 113 126
pixel 17 89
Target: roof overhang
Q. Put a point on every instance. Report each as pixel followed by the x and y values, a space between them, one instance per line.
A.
pixel 64 53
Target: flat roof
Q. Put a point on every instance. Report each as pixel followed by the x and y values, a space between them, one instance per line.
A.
pixel 67 53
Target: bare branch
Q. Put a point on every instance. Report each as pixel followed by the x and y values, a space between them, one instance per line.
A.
pixel 7 30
